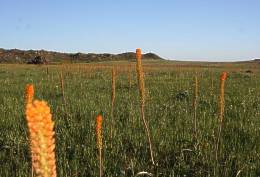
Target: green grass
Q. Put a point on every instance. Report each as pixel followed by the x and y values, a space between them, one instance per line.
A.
pixel 168 110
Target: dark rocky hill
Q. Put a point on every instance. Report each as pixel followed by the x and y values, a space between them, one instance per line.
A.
pixel 26 56
pixel 256 60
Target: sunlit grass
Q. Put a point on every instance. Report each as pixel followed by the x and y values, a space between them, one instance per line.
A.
pixel 169 112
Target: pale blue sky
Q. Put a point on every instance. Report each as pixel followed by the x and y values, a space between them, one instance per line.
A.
pixel 175 29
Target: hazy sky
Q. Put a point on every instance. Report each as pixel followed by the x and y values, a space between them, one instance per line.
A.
pixel 175 29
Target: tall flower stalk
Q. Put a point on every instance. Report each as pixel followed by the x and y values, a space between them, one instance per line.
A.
pixel 221 109
pixel 140 78
pixel 222 96
pixel 99 141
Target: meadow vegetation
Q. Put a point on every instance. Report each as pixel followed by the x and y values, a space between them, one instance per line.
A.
pixel 77 93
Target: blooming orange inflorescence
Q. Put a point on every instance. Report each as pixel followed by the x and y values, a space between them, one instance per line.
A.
pixel 39 120
pixel 99 131
pixel 29 93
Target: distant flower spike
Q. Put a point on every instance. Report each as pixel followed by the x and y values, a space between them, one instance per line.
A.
pixel 99 120
pixel 223 78
pixel 29 93
pixel 99 131
pixel 140 76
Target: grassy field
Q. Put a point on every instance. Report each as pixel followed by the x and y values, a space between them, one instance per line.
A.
pixel 168 110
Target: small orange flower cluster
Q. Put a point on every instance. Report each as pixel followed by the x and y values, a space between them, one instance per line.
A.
pixel 99 131
pixel 223 76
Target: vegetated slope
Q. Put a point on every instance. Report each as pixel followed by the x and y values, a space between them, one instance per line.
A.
pixel 24 56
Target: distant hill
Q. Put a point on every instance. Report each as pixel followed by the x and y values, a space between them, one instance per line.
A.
pixel 256 60
pixel 25 56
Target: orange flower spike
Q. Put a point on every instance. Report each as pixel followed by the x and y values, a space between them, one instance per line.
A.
pixel 140 75
pixel 223 76
pixel 138 54
pixel 29 93
pixel 99 120
pixel 40 124
pixel 222 95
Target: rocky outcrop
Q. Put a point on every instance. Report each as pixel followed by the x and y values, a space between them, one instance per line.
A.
pixel 38 60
